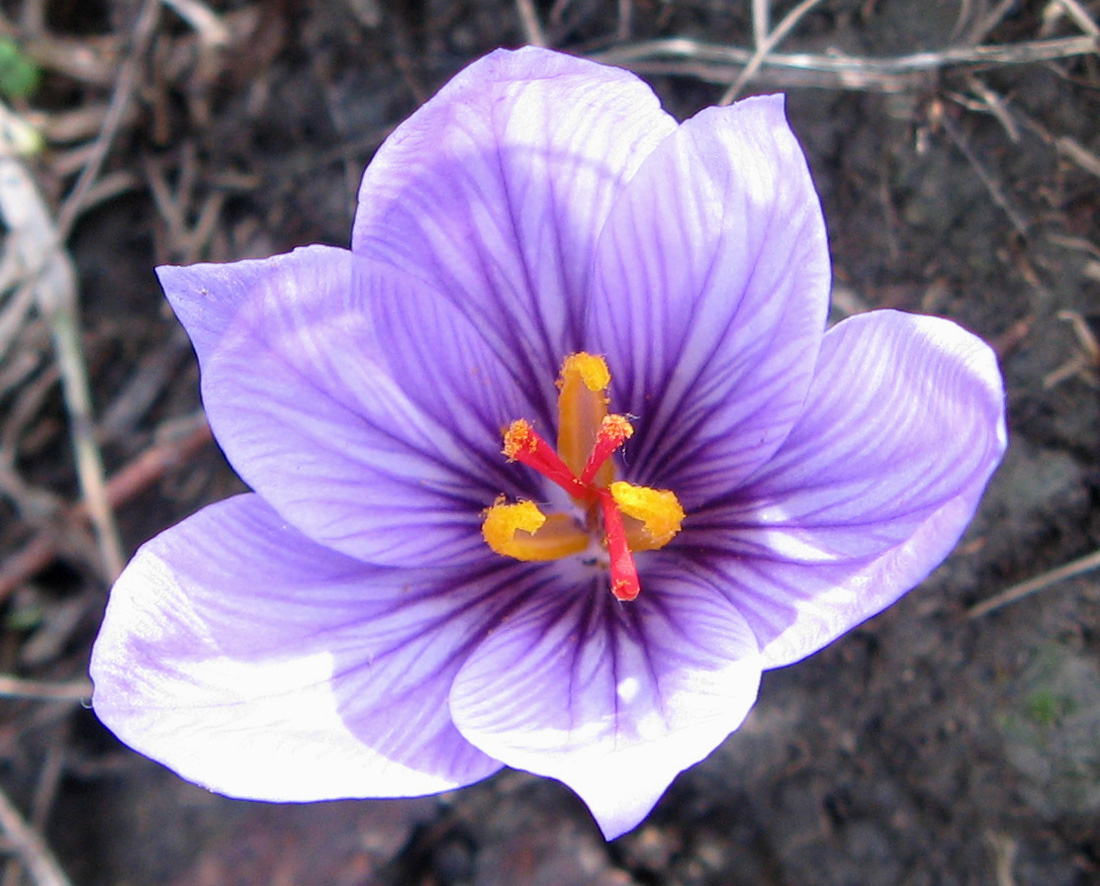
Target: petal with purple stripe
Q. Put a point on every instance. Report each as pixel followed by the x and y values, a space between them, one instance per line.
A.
pixel 366 409
pixel 712 287
pixel 902 429
pixel 612 700
pixel 259 664
pixel 496 190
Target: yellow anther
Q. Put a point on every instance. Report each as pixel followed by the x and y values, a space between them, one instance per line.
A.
pixel 582 406
pixel 522 531
pixel 658 511
pixel 518 437
pixel 592 370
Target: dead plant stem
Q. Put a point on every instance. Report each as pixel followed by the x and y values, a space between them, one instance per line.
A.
pixel 30 847
pixel 760 54
pixel 1031 586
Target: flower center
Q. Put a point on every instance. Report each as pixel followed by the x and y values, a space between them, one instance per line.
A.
pixel 615 517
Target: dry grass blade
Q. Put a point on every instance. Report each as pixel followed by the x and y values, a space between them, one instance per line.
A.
pixel 30 847
pixel 1080 16
pixel 116 113
pixel 181 441
pixel 48 272
pixel 996 192
pixel 203 19
pixel 1031 586
pixel 1004 850
pixel 763 49
pixel 529 21
pixel 40 690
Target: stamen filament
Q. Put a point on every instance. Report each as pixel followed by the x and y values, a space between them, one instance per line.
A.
pixel 624 575
pixel 522 531
pixel 632 518
pixel 614 431
pixel 523 444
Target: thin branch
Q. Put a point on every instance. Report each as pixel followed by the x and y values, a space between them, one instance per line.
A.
pixel 1080 17
pixel 985 25
pixel 1031 586
pixel 762 50
pixel 761 22
pixel 529 21
pixel 136 476
pixel 987 178
pixel 41 690
pixel 714 62
pixel 626 20
pixel 209 26
pixel 49 273
pixel 30 847
pixel 116 113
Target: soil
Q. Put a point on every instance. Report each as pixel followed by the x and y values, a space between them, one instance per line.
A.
pixel 925 748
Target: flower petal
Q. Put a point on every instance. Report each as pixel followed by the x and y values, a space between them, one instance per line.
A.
pixel 496 190
pixel 903 427
pixel 612 700
pixel 258 664
pixel 359 403
pixel 712 289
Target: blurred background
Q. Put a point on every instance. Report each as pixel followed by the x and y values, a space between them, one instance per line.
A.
pixel 953 740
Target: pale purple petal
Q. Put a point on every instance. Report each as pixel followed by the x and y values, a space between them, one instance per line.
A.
pixel 712 289
pixel 206 297
pixel 903 427
pixel 359 403
pixel 258 664
pixel 496 189
pixel 613 700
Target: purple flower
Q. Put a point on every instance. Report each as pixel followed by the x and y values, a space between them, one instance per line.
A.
pixel 398 608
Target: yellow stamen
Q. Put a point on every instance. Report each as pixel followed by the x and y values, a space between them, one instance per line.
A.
pixel 522 531
pixel 618 517
pixel 658 511
pixel 582 406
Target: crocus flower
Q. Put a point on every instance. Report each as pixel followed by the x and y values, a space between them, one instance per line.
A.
pixel 697 481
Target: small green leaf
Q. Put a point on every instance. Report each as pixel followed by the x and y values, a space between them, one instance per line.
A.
pixel 19 75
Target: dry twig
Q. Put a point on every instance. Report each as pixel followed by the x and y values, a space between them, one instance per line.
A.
pixel 49 779
pixel 717 64
pixel 987 178
pixel 529 21
pixel 1003 848
pixel 116 113
pixel 1031 586
pixel 139 474
pixel 1080 16
pixel 211 29
pixel 764 47
pixel 40 690
pixel 30 847
pixel 48 273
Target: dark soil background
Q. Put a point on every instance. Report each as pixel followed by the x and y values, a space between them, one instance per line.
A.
pixel 956 146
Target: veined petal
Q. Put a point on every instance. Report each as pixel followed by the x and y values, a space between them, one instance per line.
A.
pixel 206 297
pixel 496 190
pixel 365 408
pixel 903 427
pixel 614 701
pixel 712 288
pixel 261 665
